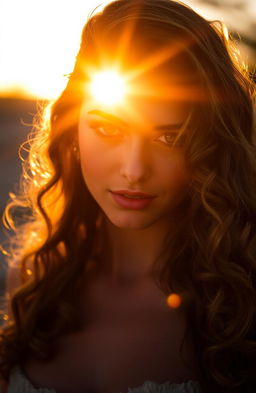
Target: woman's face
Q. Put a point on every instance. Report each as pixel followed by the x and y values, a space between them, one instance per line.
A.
pixel 129 163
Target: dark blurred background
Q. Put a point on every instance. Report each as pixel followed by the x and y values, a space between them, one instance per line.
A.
pixel 16 113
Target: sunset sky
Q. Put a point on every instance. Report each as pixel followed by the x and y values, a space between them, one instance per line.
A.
pixel 39 40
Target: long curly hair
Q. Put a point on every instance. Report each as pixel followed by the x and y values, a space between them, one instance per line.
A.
pixel 212 254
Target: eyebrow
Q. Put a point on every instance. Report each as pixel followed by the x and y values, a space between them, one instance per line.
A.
pixel 111 117
pixel 107 116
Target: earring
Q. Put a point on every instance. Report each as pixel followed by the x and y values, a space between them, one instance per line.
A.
pixel 76 152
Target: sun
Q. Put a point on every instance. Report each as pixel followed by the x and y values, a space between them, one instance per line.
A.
pixel 108 87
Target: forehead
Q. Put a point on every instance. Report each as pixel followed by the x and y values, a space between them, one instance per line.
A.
pixel 144 112
pixel 159 92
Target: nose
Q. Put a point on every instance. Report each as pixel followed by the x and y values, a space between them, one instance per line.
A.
pixel 135 163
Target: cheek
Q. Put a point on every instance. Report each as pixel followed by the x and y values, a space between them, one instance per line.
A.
pixel 173 171
pixel 91 157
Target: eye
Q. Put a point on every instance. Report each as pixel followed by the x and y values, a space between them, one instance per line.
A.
pixel 107 130
pixel 170 139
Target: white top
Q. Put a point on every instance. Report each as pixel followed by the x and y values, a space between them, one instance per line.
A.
pixel 20 384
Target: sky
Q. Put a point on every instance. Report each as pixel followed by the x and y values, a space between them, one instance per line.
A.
pixel 38 43
pixel 39 40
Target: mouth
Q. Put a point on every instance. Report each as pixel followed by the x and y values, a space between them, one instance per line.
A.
pixel 133 194
pixel 132 200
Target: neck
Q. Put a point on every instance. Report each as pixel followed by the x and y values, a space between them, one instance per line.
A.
pixel 129 255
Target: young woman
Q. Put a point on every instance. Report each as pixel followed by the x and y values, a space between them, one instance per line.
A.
pixel 134 267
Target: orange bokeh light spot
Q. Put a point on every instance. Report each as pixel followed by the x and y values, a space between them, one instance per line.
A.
pixel 29 272
pixel 174 300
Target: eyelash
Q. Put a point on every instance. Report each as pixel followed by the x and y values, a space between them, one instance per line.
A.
pixel 99 127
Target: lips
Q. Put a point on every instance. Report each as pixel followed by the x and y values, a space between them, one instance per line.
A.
pixel 133 200
pixel 132 194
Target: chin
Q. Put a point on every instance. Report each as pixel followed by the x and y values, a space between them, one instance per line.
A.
pixel 131 220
